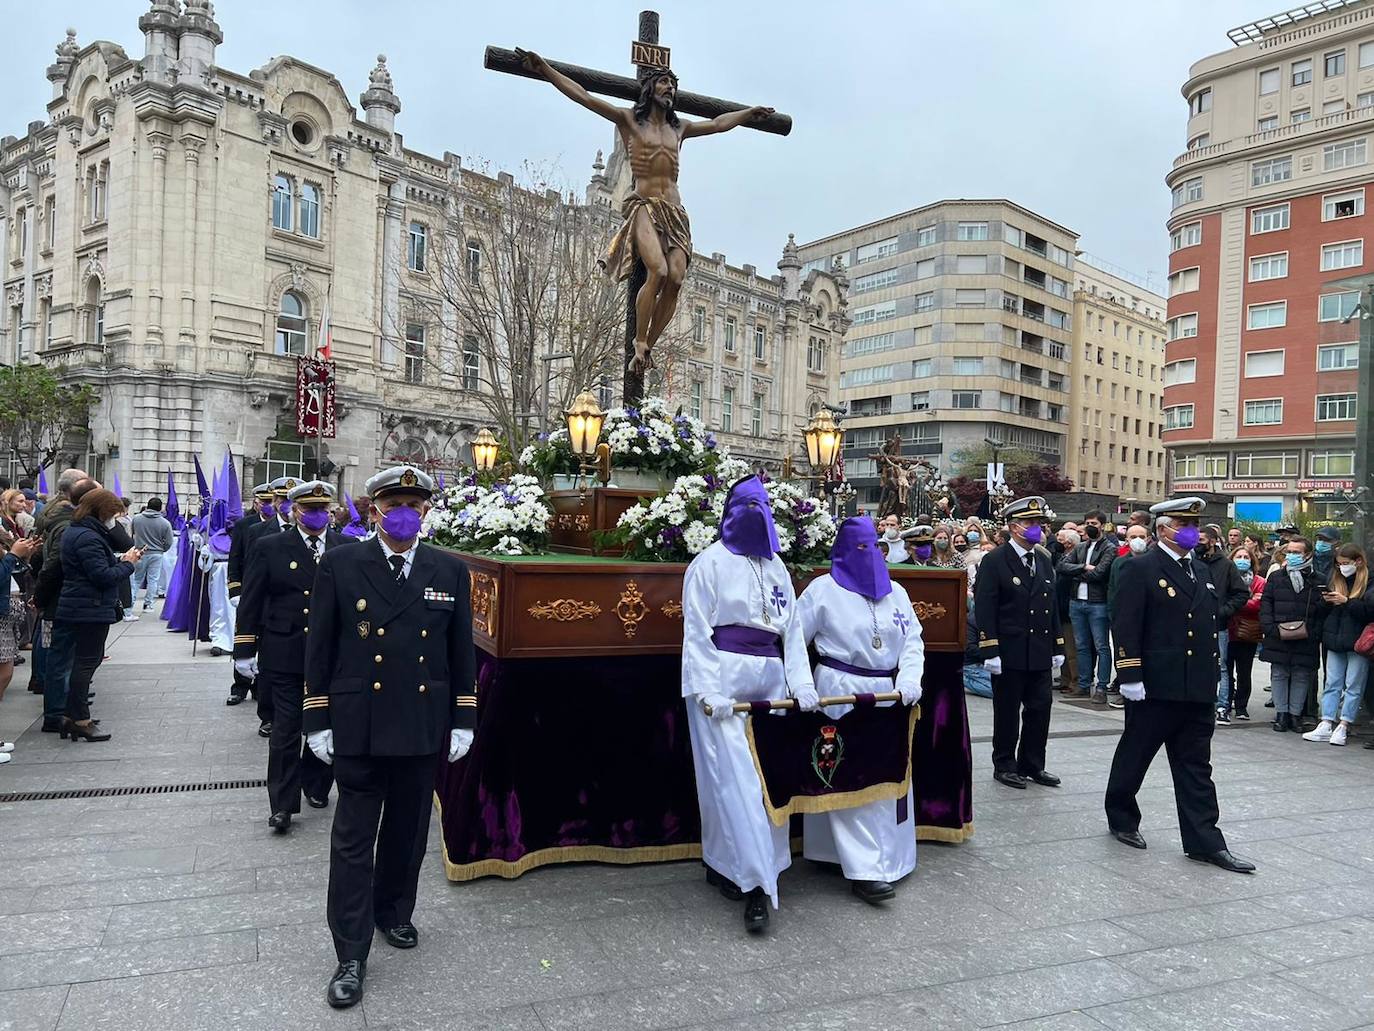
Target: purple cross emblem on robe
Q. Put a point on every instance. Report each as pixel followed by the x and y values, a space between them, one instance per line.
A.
pixel 778 599
pixel 900 621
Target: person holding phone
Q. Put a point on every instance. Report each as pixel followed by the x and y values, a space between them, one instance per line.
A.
pixel 1351 609
pixel 89 602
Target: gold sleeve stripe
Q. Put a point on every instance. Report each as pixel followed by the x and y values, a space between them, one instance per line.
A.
pixel 1127 663
pixel 987 642
pixel 233 583
pixel 313 703
pixel 245 638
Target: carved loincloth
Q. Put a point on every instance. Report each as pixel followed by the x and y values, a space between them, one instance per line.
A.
pixel 669 219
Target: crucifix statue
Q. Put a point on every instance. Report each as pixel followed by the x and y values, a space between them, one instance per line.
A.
pixel 653 245
pixel 894 472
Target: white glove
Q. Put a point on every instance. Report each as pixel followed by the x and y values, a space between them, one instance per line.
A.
pixel 1057 663
pixel 722 708
pixel 322 744
pixel 247 667
pixel 911 693
pixel 1133 692
pixel 459 741
pixel 993 665
pixel 807 698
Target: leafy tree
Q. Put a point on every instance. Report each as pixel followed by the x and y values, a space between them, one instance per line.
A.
pixel 37 412
pixel 1025 472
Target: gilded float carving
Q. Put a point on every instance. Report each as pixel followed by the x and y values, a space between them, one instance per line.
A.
pixel 631 609
pixel 565 610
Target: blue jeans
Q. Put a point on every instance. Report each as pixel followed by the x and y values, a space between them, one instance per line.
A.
pixel 1346 675
pixel 1091 627
pixel 146 574
pixel 61 655
pixel 977 680
pixel 1224 682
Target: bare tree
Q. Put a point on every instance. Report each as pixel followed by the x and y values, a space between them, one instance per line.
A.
pixel 512 281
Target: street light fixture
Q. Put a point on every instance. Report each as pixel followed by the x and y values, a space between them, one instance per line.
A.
pixel 823 439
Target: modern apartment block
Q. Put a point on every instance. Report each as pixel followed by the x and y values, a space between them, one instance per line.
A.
pixel 1268 217
pixel 961 329
pixel 1115 444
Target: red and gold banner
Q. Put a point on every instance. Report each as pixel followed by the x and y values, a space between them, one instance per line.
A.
pixel 315 398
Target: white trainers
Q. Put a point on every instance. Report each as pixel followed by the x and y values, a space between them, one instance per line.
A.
pixel 131 616
pixel 1322 732
pixel 4 758
pixel 1338 735
pixel 6 747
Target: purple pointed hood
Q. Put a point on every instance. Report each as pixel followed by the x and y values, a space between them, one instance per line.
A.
pixel 746 527
pixel 233 494
pixel 355 527
pixel 202 489
pixel 173 507
pixel 118 487
pixel 43 481
pixel 856 564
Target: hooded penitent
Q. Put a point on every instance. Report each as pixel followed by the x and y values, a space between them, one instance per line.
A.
pixel 856 564
pixel 746 527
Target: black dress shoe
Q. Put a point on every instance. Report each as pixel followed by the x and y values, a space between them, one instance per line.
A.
pixel 280 822
pixel 1223 859
pixel 265 729
pixel 756 911
pixel 234 699
pixel 1011 780
pixel 216 652
pixel 316 803
pixel 51 727
pixel 402 936
pixel 1131 838
pixel 1281 723
pixel 873 892
pixel 346 986
pixel 727 887
pixel 1049 780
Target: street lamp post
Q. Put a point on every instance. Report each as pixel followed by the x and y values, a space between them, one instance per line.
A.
pixel 1364 415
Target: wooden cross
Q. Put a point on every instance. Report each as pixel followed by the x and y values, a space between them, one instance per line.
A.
pixel 648 56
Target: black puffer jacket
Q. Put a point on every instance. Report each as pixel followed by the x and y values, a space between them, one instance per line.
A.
pixel 1345 623
pixel 90 574
pixel 1232 594
pixel 1282 604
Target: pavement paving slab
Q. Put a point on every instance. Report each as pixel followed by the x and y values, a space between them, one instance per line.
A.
pixel 181 911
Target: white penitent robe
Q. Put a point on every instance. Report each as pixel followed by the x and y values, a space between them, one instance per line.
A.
pixel 721 588
pixel 867 841
pixel 169 563
pixel 896 550
pixel 222 607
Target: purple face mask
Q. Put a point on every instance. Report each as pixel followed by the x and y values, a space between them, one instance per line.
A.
pixel 402 525
pixel 1034 533
pixel 922 552
pixel 284 509
pixel 314 519
pixel 747 527
pixel 856 564
pixel 1186 537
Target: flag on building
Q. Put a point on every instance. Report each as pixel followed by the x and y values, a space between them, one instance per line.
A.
pixel 324 348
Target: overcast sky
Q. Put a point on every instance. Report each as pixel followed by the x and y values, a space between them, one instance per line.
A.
pixel 1068 107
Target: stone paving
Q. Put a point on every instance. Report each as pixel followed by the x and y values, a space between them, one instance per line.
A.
pixel 182 912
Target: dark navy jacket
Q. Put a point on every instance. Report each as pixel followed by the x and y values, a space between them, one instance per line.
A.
pixel 90 574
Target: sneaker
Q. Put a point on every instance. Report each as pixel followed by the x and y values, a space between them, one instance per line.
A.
pixel 1243 716
pixel 131 616
pixel 1223 720
pixel 1337 735
pixel 6 747
pixel 1115 701
pixel 1099 698
pixel 1321 733
pixel 4 758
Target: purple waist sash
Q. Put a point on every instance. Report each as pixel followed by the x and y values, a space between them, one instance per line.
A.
pixel 747 640
pixel 858 671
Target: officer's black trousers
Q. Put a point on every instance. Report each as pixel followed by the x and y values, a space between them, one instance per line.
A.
pixel 1021 703
pixel 1185 730
pixel 291 767
pixel 398 792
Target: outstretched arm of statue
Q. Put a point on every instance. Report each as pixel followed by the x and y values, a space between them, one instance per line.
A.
pixel 568 88
pixel 725 122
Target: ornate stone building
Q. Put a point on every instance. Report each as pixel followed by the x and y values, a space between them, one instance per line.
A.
pixel 174 232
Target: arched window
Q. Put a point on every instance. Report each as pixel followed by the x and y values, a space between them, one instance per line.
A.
pixel 281 203
pixel 291 324
pixel 310 210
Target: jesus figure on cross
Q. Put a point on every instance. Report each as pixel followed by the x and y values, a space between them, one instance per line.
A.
pixel 656 230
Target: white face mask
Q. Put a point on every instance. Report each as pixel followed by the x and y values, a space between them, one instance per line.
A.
pixel 1348 569
pixel 892 533
pixel 1138 545
pixel 110 523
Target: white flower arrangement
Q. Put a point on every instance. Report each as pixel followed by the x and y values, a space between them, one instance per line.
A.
pixel 509 517
pixel 651 437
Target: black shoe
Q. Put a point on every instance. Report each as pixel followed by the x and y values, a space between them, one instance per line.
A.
pixel 727 887
pixel 1296 724
pixel 1131 838
pixel 52 727
pixel 873 892
pixel 1242 716
pixel 280 822
pixel 316 803
pixel 19 660
pixel 1049 780
pixel 756 911
pixel 1115 701
pixel 1269 704
pixel 35 688
pixel 216 652
pixel 1011 780
pixel 265 728
pixel 1223 718
pixel 402 936
pixel 87 732
pixel 1280 723
pixel 346 986
pixel 1223 859
pixel 234 699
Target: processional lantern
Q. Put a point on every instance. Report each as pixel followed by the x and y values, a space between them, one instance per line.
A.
pixel 484 450
pixel 823 439
pixel 585 419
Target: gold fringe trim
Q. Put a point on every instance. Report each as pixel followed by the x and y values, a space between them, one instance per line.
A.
pixel 839 800
pixel 510 869
pixel 950 835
